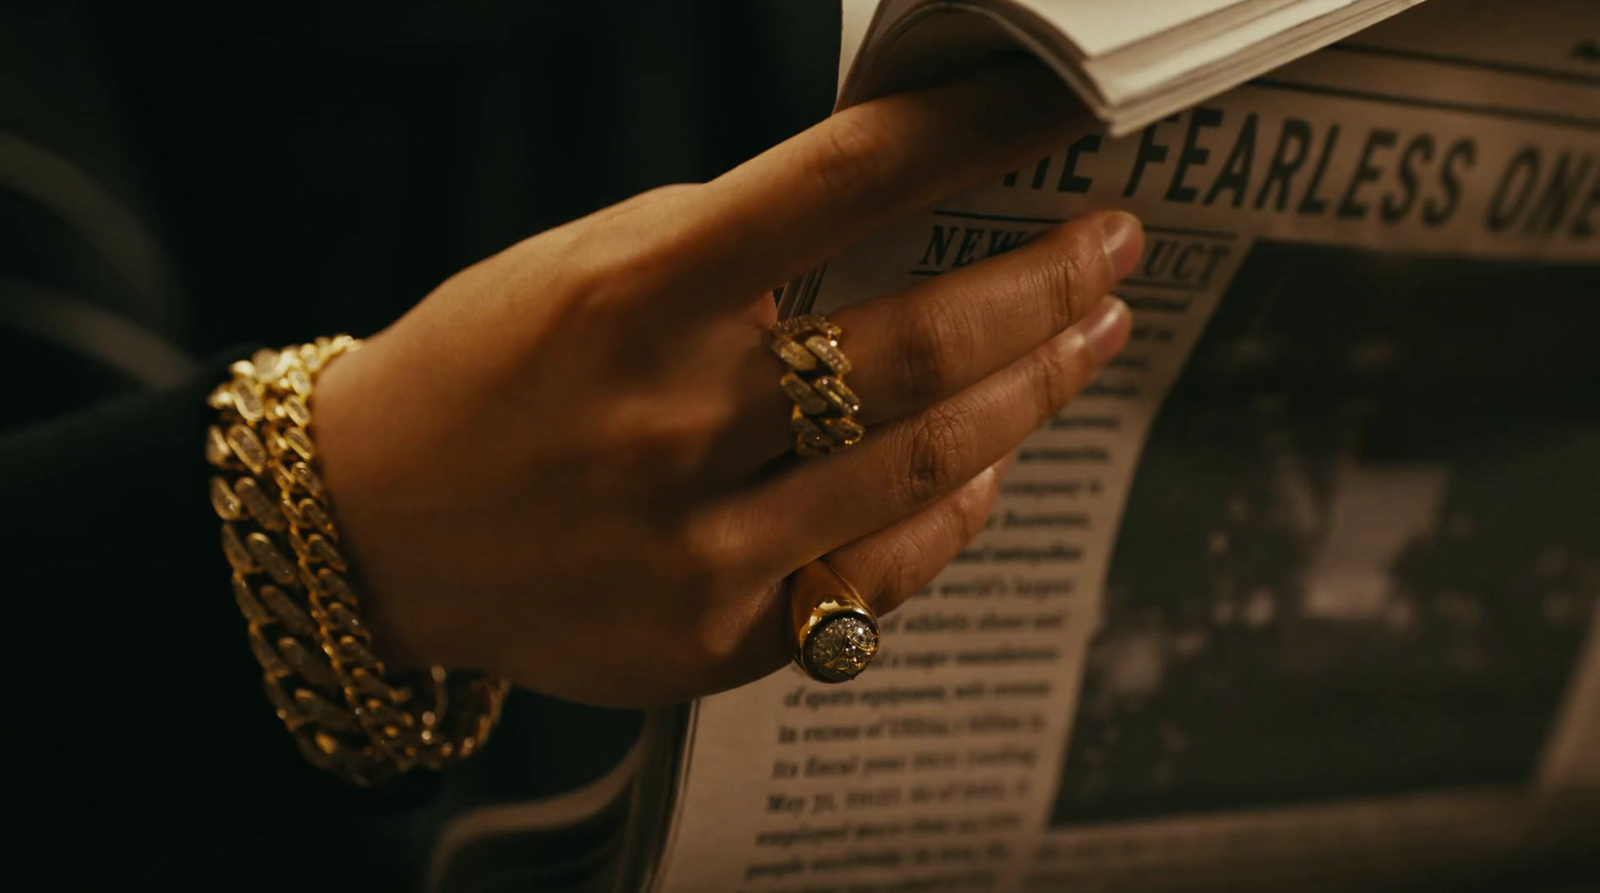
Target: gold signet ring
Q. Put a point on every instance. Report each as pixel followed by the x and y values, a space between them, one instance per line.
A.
pixel 835 633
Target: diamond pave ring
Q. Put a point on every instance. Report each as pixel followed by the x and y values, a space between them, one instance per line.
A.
pixel 824 414
pixel 835 633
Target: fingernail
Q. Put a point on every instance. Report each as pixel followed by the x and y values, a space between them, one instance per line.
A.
pixel 1122 236
pixel 1105 329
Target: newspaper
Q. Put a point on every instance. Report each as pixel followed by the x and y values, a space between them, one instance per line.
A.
pixel 1304 587
pixel 1132 61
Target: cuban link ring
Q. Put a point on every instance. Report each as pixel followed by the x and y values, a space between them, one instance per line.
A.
pixel 824 415
pixel 835 633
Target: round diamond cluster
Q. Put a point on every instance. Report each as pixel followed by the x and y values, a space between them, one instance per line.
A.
pixel 841 648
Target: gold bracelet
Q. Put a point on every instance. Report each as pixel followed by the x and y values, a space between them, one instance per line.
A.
pixel 345 710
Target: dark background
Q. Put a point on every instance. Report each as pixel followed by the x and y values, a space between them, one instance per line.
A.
pixel 179 180
pixel 267 172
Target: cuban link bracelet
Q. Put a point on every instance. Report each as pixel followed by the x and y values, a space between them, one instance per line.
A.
pixel 347 712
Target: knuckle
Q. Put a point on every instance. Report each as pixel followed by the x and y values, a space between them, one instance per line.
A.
pixel 625 252
pixel 1083 368
pixel 849 157
pixel 1068 279
pixel 931 348
pixel 594 273
pixel 663 446
pixel 668 449
pixel 1060 374
pixel 613 257
pixel 935 452
pixel 968 515
pixel 910 561
pixel 707 556
pixel 901 576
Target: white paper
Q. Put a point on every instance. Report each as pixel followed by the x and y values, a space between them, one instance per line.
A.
pixel 1130 64
pixel 1215 637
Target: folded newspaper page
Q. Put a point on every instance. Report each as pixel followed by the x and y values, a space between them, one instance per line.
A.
pixel 1132 61
pixel 1303 590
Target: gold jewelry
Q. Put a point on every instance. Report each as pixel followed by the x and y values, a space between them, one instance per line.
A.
pixel 835 633
pixel 824 416
pixel 346 711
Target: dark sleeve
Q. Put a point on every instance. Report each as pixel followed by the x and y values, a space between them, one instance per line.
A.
pixel 138 728
pixel 139 750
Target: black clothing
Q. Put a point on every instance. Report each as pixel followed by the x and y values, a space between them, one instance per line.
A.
pixel 209 177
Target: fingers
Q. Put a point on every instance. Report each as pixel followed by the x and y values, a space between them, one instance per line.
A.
pixel 914 347
pixel 918 346
pixel 799 203
pixel 909 464
pixel 886 567
pixel 893 564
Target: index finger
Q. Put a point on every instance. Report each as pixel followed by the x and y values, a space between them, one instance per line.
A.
pixel 795 205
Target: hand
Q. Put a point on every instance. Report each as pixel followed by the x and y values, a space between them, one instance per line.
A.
pixel 571 464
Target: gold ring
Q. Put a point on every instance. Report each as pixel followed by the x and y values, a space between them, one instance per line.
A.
pixel 824 416
pixel 835 633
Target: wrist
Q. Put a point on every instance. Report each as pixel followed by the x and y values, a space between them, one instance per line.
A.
pixel 348 425
pixel 350 711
